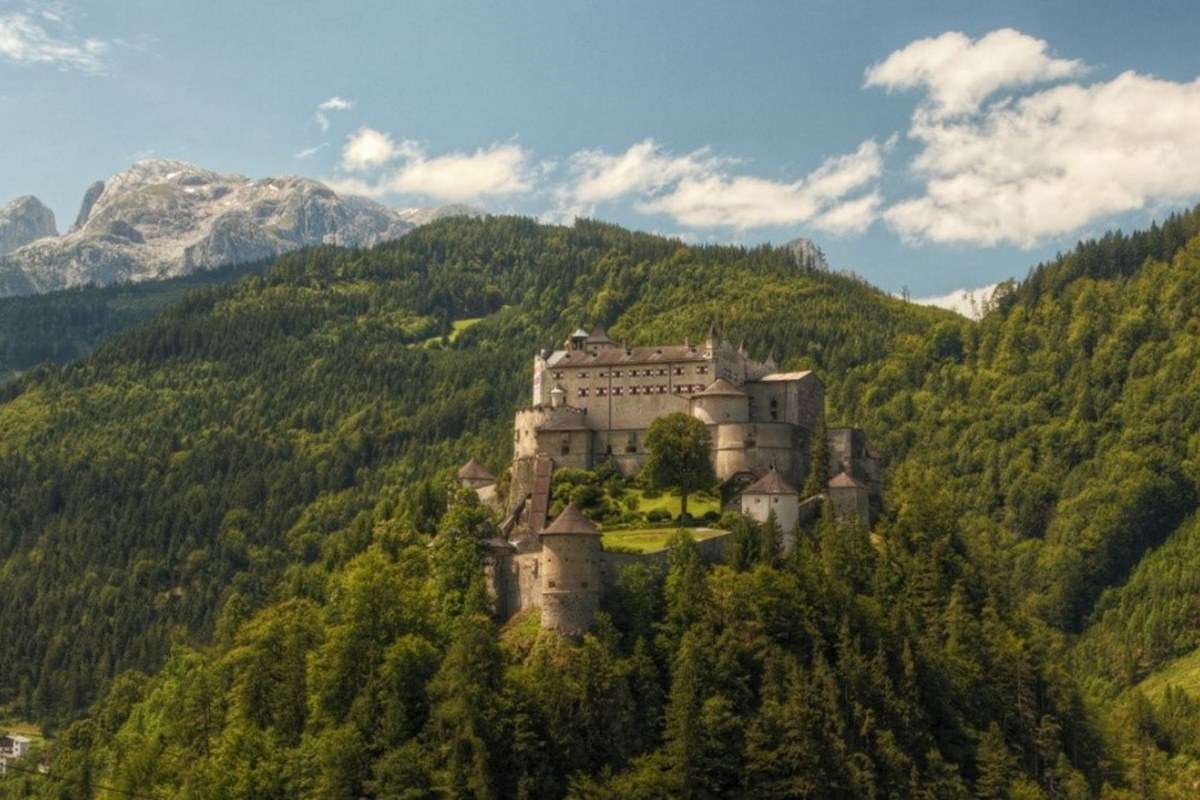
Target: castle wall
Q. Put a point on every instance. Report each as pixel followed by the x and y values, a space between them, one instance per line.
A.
pixel 785 506
pixel 717 409
pixel 569 449
pixel 517 581
pixel 800 402
pixel 756 447
pixel 848 452
pixel 525 426
pixel 571 582
pixel 851 503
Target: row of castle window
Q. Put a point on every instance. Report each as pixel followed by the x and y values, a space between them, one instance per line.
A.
pixel 637 373
pixel 617 391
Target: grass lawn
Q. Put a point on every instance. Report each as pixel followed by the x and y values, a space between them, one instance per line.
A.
pixel 456 327
pixel 13 725
pixel 1183 672
pixel 651 540
pixel 698 505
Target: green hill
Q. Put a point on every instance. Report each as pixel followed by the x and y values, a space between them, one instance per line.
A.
pixel 58 327
pixel 220 524
pixel 247 432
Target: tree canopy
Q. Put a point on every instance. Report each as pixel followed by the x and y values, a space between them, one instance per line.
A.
pixel 679 456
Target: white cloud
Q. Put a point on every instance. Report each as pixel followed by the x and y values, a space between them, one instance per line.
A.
pixel 1024 169
pixel 710 198
pixel 500 169
pixel 970 303
pixel 601 176
pixel 959 74
pixel 851 217
pixel 24 40
pixel 309 152
pixel 497 170
pixel 368 148
pixel 334 103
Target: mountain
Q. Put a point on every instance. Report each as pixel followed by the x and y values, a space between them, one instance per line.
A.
pixel 807 254
pixel 22 221
pixel 169 218
pixel 424 216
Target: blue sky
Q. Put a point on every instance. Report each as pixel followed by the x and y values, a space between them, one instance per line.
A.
pixel 927 145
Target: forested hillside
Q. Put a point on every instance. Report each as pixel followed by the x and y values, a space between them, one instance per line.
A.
pixel 245 489
pixel 58 327
pixel 248 431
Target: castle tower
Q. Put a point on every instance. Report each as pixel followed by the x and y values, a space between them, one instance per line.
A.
pixel 571 556
pixel 721 402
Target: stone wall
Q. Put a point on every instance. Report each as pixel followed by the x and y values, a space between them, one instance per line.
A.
pixel 571 582
pixel 517 581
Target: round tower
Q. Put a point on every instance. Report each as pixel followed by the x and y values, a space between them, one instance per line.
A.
pixel 571 555
pixel 721 402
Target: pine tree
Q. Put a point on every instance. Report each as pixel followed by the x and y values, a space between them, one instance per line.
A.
pixel 994 765
pixel 818 462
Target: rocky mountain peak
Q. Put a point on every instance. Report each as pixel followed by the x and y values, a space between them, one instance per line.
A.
pixel 24 220
pixel 162 218
pixel 807 254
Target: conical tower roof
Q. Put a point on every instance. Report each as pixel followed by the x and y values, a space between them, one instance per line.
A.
pixel 473 470
pixel 571 522
pixel 845 480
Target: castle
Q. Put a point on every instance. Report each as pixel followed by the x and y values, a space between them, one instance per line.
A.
pixel 594 400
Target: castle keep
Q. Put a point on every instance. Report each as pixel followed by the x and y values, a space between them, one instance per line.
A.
pixel 594 400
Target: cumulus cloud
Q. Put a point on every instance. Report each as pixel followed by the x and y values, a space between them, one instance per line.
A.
pixel 24 39
pixel 601 176
pixel 368 148
pixel 406 168
pixel 959 74
pixel 971 303
pixel 1049 163
pixel 334 103
pixel 711 198
pixel 497 170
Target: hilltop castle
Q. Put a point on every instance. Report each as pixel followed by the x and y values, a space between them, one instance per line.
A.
pixel 594 400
